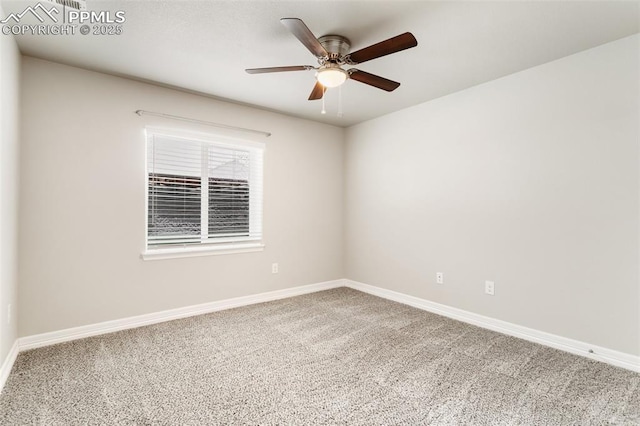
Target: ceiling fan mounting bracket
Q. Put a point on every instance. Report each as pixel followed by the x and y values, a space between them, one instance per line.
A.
pixel 336 46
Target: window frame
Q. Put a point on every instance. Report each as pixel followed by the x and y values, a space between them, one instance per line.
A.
pixel 209 246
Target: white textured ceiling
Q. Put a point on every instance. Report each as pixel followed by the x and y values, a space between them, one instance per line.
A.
pixel 204 46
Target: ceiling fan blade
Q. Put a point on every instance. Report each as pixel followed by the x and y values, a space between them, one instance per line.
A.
pixel 279 69
pixel 373 80
pixel 304 34
pixel 387 47
pixel 317 92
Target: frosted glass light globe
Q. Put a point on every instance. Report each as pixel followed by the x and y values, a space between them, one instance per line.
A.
pixel 331 76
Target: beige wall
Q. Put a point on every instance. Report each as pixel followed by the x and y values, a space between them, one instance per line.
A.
pixel 9 154
pixel 83 201
pixel 530 181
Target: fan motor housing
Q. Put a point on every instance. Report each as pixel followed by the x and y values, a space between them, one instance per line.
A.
pixel 336 45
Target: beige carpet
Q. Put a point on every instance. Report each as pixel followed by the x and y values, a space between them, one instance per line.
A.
pixel 334 357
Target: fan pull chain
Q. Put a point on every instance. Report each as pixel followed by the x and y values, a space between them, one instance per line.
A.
pixel 324 91
pixel 340 101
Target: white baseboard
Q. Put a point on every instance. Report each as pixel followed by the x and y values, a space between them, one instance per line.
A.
pixel 7 365
pixel 54 337
pixel 619 359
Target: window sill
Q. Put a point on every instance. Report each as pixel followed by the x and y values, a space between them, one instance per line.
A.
pixel 174 253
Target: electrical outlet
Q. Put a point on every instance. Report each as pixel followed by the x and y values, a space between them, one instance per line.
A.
pixel 9 314
pixel 439 277
pixel 274 268
pixel 489 287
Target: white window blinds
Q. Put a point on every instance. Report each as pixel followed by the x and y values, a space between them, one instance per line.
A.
pixel 202 192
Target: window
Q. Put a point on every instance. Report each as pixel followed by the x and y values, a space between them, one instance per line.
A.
pixel 204 194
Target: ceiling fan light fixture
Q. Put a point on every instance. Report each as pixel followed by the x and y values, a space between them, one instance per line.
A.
pixel 334 51
pixel 331 76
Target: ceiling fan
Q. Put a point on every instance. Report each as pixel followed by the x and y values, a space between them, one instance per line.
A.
pixel 332 52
